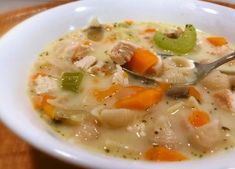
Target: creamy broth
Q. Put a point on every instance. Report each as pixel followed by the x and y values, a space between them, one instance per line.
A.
pixel 78 86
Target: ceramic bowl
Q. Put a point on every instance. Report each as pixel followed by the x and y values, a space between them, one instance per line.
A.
pixel 21 45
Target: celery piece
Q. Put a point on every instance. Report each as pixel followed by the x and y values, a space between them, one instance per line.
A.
pixel 181 45
pixel 71 81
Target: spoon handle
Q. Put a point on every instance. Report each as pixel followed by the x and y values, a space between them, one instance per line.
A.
pixel 207 68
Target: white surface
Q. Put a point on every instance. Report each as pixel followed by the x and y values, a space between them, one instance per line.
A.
pixel 20 46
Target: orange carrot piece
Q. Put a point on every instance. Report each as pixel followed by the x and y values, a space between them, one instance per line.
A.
pixel 40 102
pixel 163 154
pixel 129 22
pixel 101 95
pixel 150 30
pixel 37 102
pixel 49 110
pixel 135 89
pixel 141 100
pixel 198 118
pixel 195 93
pixel 142 60
pixel 217 41
pixel 36 75
pixel 164 86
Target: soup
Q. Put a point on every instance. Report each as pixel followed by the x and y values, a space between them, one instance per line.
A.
pixel 79 85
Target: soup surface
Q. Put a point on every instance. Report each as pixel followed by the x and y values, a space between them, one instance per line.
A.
pixel 78 85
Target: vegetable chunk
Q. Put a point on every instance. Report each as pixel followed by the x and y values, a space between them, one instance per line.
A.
pixel 142 60
pixel 142 100
pixel 181 45
pixel 164 154
pixel 199 118
pixel 71 81
pixel 217 41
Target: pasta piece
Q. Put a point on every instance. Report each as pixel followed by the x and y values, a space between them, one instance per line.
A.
pixel 178 76
pixel 120 77
pixel 87 131
pixel 161 133
pixel 205 137
pixel 192 103
pixel 138 128
pixel 114 117
pixel 178 70
pixel 179 62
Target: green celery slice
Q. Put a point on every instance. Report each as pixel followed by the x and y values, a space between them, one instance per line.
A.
pixel 71 81
pixel 183 44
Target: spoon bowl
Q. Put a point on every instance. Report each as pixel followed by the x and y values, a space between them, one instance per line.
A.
pixel 201 71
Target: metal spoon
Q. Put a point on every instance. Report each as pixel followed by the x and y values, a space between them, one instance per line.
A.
pixel 201 70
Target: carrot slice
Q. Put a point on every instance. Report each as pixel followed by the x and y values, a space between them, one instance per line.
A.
pixel 37 102
pixel 195 93
pixel 141 100
pixel 129 22
pixel 164 86
pixel 150 30
pixel 36 75
pixel 142 60
pixel 135 89
pixel 103 94
pixel 217 41
pixel 40 102
pixel 198 118
pixel 49 110
pixel 163 154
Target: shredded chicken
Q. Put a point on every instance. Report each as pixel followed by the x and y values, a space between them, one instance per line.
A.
pixel 122 52
pixel 72 50
pixel 45 84
pixel 86 62
pixel 225 99
pixel 120 77
pixel 101 68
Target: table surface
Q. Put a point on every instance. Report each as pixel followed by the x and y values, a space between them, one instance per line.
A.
pixel 14 152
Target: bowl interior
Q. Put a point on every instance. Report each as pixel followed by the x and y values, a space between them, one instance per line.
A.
pixel 20 47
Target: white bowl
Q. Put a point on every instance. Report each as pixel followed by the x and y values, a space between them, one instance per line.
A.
pixel 20 46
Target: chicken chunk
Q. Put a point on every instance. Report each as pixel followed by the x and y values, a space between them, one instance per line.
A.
pixel 102 68
pixel 225 99
pixel 120 77
pixel 216 80
pixel 122 52
pixel 71 50
pixel 45 84
pixel 86 62
pixel 162 133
